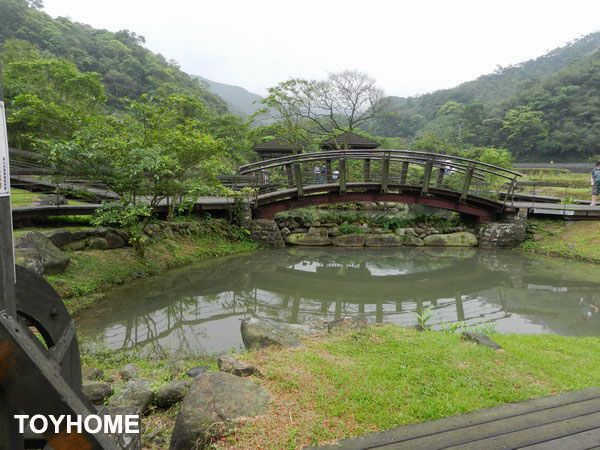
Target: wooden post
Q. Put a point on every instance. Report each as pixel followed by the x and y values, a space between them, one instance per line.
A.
pixel 404 172
pixel 328 171
pixel 298 179
pixel 7 262
pixel 440 177
pixel 427 177
pixel 466 184
pixel 290 176
pixel 385 174
pixel 343 173
pixel 367 170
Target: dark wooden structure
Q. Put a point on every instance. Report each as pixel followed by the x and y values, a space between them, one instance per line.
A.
pixel 349 141
pixel 564 421
pixel 276 148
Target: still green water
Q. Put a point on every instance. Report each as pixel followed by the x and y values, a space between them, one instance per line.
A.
pixel 197 309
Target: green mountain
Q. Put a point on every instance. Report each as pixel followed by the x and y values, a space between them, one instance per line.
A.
pixel 239 100
pixel 127 68
pixel 544 108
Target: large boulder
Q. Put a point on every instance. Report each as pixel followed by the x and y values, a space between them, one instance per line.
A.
pixel 136 393
pixel 307 239
pixel 29 258
pixel 96 391
pixel 261 333
pixel 413 241
pixel 124 441
pixel 462 239
pixel 59 237
pixel 350 240
pixel 266 232
pixel 213 407
pixel 115 241
pixel 384 240
pixel 172 393
pixel 51 259
pixel 502 234
pixel 130 371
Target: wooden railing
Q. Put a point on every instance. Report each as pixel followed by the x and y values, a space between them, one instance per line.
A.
pixel 390 169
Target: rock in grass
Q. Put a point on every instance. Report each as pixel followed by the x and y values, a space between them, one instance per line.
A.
pixel 462 239
pixel 481 339
pixel 347 322
pixel 136 393
pixel 195 371
pixel 96 391
pixel 230 363
pixel 130 371
pixel 213 407
pixel 124 441
pixel 60 237
pixel 172 393
pixel 261 333
pixel 98 243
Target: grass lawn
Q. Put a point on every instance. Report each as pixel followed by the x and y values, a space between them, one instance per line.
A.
pixel 354 382
pixel 579 240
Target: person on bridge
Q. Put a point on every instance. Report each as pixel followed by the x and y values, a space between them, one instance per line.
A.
pixel 595 182
pixel 317 173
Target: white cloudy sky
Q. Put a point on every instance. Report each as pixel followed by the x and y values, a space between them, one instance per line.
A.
pixel 410 47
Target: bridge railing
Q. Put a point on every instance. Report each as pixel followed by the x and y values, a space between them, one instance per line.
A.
pixel 389 170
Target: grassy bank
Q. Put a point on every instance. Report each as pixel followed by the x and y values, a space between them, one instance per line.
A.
pixel 577 240
pixel 91 272
pixel 350 383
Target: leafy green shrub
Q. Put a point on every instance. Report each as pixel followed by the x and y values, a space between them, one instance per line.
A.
pixel 346 228
pixel 132 218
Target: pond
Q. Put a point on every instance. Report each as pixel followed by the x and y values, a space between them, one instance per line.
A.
pixel 197 309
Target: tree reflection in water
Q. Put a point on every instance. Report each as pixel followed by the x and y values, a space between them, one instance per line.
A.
pixel 197 309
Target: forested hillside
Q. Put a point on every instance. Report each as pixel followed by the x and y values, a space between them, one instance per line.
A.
pixel 127 68
pixel 239 100
pixel 546 108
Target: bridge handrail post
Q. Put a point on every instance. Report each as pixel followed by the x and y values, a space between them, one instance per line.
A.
pixel 367 170
pixel 385 174
pixel 290 175
pixel 440 178
pixel 404 172
pixel 342 170
pixel 298 177
pixel 467 184
pixel 427 176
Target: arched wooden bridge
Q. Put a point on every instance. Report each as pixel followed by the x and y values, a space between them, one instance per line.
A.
pixel 449 182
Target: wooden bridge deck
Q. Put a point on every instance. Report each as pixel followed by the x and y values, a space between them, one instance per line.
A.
pixel 570 420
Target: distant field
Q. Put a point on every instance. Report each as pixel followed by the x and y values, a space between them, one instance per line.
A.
pixel 572 167
pixel 575 185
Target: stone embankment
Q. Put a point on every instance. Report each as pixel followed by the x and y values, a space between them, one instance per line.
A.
pixel 298 230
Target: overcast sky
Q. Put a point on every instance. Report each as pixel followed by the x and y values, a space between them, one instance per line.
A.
pixel 410 47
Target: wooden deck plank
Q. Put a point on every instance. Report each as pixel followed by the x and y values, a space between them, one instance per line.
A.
pixel 501 429
pixel 579 441
pixel 537 435
pixel 482 418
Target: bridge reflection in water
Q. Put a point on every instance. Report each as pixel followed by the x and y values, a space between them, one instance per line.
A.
pixel 197 309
